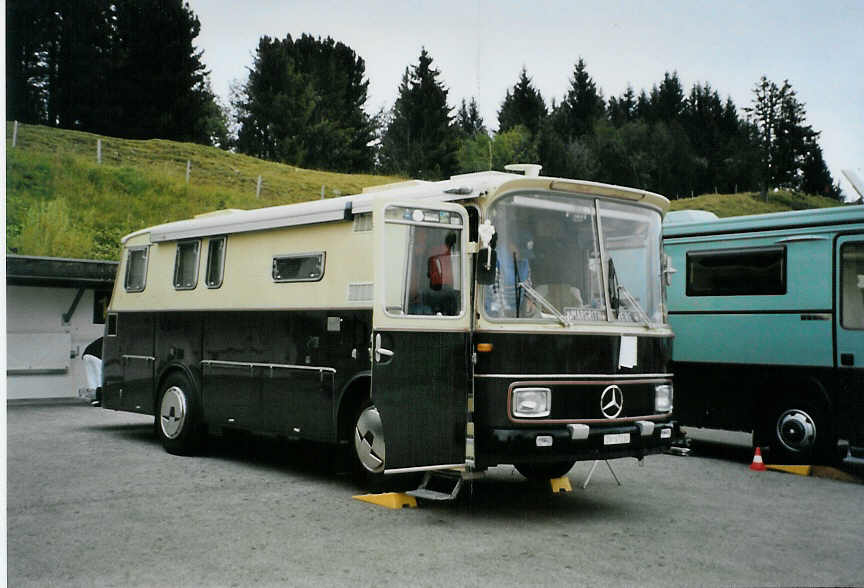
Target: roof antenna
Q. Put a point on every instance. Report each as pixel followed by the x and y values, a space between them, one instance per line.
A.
pixel 531 170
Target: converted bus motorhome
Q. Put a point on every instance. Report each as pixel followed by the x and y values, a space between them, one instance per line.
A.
pixel 492 318
pixel 768 313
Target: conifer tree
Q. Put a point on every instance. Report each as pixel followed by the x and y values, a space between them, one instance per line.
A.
pixel 787 144
pixel 522 106
pixel 420 138
pixel 468 120
pixel 126 68
pixel 303 104
pixel 622 109
pixel 582 105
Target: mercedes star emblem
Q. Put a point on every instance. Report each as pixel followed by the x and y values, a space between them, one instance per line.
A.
pixel 612 401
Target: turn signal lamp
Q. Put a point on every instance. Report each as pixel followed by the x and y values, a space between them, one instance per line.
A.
pixel 484 347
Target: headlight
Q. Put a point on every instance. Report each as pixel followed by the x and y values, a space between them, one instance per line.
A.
pixel 531 402
pixel 663 398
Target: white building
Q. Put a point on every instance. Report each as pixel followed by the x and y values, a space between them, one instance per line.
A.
pixel 54 308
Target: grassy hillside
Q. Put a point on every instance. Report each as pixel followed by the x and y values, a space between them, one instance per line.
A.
pixel 724 205
pixel 61 202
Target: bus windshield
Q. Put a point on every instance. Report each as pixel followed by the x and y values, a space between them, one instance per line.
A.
pixel 557 261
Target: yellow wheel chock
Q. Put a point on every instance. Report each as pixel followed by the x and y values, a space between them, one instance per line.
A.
pixel 561 484
pixel 799 470
pixel 395 500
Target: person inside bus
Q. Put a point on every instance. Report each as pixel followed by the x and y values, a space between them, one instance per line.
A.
pixel 442 265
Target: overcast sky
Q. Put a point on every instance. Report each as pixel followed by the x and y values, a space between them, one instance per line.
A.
pixel 480 45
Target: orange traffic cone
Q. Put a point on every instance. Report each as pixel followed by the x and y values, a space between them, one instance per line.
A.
pixel 757 465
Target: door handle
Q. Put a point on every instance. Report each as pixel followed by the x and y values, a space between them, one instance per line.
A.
pixel 379 351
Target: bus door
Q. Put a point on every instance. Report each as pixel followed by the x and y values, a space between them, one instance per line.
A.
pixel 849 327
pixel 421 333
pixel 139 363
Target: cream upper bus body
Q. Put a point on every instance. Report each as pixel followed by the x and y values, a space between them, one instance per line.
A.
pixel 255 237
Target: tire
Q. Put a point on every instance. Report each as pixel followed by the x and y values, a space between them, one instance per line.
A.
pixel 177 422
pixel 800 433
pixel 544 471
pixel 367 434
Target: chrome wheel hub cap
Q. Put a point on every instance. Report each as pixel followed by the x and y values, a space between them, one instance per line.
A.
pixel 172 412
pixel 796 430
pixel 369 440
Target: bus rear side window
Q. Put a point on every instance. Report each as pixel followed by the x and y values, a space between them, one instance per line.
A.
pixel 136 269
pixel 737 272
pixel 303 267
pixel 215 262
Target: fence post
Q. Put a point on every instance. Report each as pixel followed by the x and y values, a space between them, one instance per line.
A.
pixel 322 191
pixel 258 189
pixel 99 151
pixel 15 134
pixel 188 169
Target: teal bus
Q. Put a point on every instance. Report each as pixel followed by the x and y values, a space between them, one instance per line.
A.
pixel 768 315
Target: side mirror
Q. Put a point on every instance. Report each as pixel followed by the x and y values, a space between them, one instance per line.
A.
pixel 486 263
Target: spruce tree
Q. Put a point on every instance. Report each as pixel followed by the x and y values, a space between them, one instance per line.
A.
pixel 787 144
pixel 420 138
pixel 303 104
pixel 623 109
pixel 274 107
pixel 582 105
pixel 522 106
pixel 469 123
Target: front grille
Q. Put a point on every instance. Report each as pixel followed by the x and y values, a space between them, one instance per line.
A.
pixel 581 400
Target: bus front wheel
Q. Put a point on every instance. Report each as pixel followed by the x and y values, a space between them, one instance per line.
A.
pixel 176 418
pixel 369 448
pixel 544 471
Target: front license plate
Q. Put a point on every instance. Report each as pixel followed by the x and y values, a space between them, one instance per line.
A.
pixel 616 439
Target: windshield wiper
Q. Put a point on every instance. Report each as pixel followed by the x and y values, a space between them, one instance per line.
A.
pixel 635 304
pixel 538 298
pixel 516 282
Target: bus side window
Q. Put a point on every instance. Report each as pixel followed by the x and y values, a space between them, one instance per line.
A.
pixel 215 262
pixel 186 265
pixel 136 269
pixel 852 285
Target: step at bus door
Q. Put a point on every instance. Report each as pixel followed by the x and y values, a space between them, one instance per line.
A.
pixel 420 338
pixel 849 327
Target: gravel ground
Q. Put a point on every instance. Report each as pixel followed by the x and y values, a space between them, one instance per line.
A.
pixel 93 500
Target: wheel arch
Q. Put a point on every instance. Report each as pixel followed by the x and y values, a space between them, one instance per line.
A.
pixel 169 370
pixel 355 390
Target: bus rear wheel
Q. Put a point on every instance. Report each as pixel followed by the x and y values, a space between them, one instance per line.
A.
pixel 176 417
pixel 544 471
pixel 801 433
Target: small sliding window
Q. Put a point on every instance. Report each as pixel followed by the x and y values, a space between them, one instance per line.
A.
pixel 186 265
pixel 215 262
pixel 299 267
